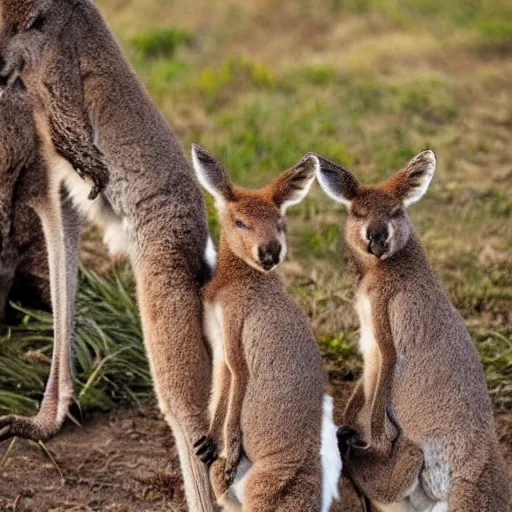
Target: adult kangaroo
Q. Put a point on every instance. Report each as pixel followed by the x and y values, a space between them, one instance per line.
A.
pixel 426 439
pixel 152 208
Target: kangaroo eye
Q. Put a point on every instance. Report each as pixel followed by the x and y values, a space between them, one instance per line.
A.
pixel 396 213
pixel 240 225
pixel 35 22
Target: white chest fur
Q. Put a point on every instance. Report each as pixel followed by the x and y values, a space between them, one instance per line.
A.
pixel 115 229
pixel 213 328
pixel 367 342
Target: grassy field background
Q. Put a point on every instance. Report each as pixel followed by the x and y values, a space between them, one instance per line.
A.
pixel 367 83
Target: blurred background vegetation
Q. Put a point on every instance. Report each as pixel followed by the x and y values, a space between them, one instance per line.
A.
pixel 368 83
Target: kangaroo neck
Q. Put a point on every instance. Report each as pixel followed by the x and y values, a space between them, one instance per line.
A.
pixel 232 270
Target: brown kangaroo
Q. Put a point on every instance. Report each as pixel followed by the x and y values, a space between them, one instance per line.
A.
pixel 276 438
pixel 427 439
pixel 152 208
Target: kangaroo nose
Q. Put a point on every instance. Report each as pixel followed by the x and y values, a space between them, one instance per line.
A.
pixel 377 241
pixel 269 254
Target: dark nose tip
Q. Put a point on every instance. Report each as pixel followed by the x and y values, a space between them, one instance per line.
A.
pixel 269 254
pixel 377 242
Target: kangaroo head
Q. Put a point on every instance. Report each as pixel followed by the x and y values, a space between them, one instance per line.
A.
pixel 23 16
pixel 377 225
pixel 252 221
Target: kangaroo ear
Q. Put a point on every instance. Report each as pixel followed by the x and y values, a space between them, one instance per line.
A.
pixel 337 181
pixel 411 182
pixel 294 184
pixel 212 176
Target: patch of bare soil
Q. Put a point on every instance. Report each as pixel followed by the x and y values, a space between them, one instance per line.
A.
pixel 126 461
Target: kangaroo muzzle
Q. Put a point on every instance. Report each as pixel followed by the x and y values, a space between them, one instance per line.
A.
pixel 269 254
pixel 378 242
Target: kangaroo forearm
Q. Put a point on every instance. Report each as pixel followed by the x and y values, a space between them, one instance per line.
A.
pixel 354 405
pixel 71 131
pixel 378 418
pixel 71 135
pixel 87 160
pixel 382 396
pixel 221 409
pixel 235 361
pixel 238 388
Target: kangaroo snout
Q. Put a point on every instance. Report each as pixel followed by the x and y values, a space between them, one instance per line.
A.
pixel 378 240
pixel 269 254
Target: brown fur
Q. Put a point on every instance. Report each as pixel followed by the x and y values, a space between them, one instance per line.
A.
pixel 426 415
pixel 151 208
pixel 272 379
pixel 23 267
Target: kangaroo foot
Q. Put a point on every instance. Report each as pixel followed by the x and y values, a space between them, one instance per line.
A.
pixel 38 428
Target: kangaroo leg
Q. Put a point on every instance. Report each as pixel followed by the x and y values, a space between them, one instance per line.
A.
pixel 354 404
pixel 284 487
pixel 208 447
pixel 465 497
pixel 171 311
pixel 61 230
pixel 488 493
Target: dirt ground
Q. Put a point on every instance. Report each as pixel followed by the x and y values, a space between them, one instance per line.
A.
pixel 126 461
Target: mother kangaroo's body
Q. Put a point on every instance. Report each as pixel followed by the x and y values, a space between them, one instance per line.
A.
pixel 151 209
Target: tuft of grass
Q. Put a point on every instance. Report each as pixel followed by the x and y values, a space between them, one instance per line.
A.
pixel 216 83
pixel 110 361
pixel 324 242
pixel 160 42
pixel 495 349
pixel 342 348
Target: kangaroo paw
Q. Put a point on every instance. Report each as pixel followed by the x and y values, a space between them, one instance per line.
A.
pixel 348 438
pixel 206 449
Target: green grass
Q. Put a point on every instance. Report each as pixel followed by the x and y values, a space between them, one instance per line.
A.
pixel 110 361
pixel 160 42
